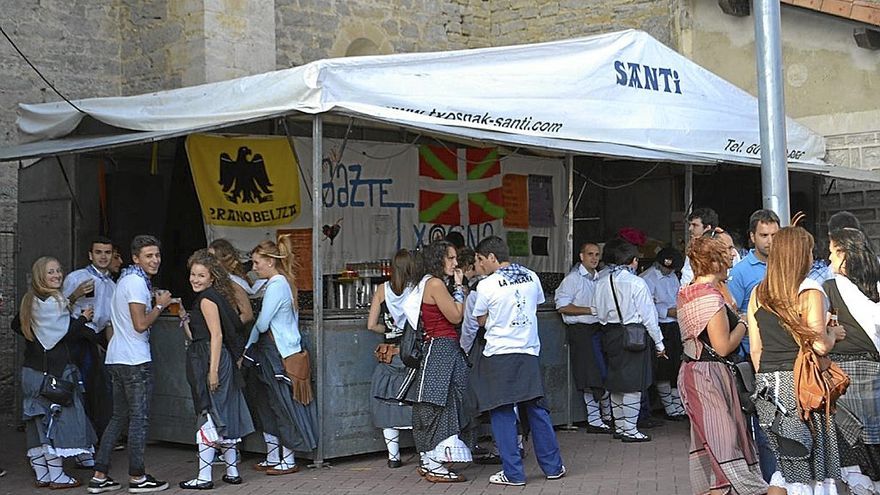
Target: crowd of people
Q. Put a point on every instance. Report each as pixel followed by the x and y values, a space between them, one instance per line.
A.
pixel 88 367
pixel 729 343
pixel 713 337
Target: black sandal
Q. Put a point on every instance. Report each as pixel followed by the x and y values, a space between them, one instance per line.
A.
pixel 195 484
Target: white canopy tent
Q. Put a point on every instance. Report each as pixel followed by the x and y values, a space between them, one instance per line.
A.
pixel 621 94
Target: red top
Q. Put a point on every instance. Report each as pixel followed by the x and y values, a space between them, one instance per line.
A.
pixel 436 325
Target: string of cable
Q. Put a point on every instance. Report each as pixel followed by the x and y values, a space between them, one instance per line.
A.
pixel 620 186
pixel 24 57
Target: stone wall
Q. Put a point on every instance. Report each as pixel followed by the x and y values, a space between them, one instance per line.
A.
pixel 860 198
pixel 308 30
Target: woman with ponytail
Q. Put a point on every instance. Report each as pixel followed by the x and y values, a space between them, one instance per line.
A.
pixel 54 431
pixel 285 409
pixel 785 309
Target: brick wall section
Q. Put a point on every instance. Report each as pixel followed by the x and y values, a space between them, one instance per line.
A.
pixel 75 44
pixel 860 151
pixel 859 198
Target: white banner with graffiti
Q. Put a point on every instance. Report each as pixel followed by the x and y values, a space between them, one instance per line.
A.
pixel 380 197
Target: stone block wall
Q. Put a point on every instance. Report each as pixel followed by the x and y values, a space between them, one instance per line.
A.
pixel 860 150
pixel 860 198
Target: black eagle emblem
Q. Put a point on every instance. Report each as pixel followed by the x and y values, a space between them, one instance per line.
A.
pixel 245 180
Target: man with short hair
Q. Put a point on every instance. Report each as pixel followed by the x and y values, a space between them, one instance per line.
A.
pixel 510 375
pixel 574 298
pixel 763 225
pixel 92 287
pixel 700 221
pixel 129 363
pixel 821 269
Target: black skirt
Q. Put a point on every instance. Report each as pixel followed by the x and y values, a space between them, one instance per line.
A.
pixel 667 369
pixel 627 371
pixel 588 367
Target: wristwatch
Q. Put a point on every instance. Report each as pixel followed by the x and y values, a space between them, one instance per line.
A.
pixel 160 307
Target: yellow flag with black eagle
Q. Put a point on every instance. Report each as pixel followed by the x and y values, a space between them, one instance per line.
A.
pixel 245 181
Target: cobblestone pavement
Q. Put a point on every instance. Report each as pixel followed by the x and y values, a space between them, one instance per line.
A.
pixel 596 464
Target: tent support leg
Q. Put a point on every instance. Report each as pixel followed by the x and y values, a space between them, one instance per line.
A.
pixel 569 172
pixel 318 282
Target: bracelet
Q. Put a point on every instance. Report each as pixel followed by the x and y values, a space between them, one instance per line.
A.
pixel 160 307
pixel 458 295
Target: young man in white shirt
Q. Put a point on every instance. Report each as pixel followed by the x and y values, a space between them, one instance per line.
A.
pixel 129 363
pixel 574 296
pixel 92 287
pixel 509 374
pixel 628 370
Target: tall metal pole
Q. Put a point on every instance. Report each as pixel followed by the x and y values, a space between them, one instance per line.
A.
pixel 771 108
pixel 318 279
pixel 569 171
pixel 688 199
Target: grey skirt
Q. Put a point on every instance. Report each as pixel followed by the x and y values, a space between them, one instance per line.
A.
pixel 67 431
pixel 227 406
pixel 387 411
pixel 437 392
pixel 293 423
pixel 507 379
pixel 805 453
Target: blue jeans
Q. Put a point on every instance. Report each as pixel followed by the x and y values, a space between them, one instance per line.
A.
pixel 132 391
pixel 766 456
pixel 543 440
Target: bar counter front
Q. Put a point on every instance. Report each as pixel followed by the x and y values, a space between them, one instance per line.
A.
pixel 348 367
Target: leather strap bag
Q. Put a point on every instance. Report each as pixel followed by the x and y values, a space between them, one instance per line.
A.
pixel 635 335
pixel 818 381
pixel 385 352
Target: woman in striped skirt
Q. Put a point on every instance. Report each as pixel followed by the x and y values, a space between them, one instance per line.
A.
pixel 722 454
pixel 853 294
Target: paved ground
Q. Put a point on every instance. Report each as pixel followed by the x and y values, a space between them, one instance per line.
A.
pixel 596 464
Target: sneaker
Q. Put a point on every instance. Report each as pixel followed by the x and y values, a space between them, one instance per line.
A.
pixel 558 475
pixel 105 485
pixel 149 484
pixel 500 478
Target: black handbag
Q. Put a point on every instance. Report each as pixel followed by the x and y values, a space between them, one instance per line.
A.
pixel 743 378
pixel 635 335
pixel 54 389
pixel 411 344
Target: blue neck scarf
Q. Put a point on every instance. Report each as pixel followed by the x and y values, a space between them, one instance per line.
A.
pixel 512 272
pixel 137 270
pixel 620 268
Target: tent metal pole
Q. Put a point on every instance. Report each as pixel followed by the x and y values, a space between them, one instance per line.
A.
pixel 569 172
pixel 771 109
pixel 318 279
pixel 688 199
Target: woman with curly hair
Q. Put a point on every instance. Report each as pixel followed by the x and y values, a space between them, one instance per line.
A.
pixel 853 294
pixel 785 310
pixel 285 409
pixel 439 385
pixel 242 290
pixel 211 369
pixel 722 454
pixel 53 430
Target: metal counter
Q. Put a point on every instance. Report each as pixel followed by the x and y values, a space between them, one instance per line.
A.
pixel 349 365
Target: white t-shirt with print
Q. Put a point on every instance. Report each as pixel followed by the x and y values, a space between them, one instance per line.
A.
pixel 127 345
pixel 511 308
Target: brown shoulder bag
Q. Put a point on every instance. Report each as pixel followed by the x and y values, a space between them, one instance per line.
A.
pixel 818 382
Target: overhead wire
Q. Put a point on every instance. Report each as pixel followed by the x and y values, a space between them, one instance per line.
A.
pixel 24 57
